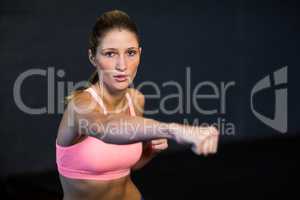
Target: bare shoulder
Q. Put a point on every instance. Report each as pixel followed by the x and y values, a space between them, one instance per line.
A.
pixel 81 105
pixel 138 100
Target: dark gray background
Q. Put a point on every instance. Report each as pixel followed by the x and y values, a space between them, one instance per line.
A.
pixel 236 40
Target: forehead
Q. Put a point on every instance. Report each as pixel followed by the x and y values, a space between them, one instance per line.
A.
pixel 119 39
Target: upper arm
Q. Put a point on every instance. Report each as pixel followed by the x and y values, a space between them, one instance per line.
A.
pixel 81 112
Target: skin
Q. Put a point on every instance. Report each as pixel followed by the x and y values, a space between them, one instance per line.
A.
pixel 119 53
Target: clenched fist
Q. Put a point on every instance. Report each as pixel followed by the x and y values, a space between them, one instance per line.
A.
pixel 204 140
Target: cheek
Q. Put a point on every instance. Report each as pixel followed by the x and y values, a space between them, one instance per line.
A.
pixel 106 67
pixel 134 65
pixel 104 64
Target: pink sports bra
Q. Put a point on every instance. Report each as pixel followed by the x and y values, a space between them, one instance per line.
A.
pixel 94 159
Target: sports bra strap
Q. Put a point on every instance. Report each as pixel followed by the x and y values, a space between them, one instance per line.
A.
pixel 97 98
pixel 131 108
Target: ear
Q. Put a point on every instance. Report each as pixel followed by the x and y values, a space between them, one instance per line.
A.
pixel 91 58
pixel 140 50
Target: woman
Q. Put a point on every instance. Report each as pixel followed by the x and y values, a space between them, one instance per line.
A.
pixel 103 134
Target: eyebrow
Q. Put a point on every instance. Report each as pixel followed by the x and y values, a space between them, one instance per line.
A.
pixel 116 49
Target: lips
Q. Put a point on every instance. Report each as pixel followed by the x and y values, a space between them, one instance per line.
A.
pixel 120 78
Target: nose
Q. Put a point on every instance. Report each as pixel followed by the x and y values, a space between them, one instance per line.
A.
pixel 121 64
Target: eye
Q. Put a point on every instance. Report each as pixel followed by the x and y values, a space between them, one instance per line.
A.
pixel 131 53
pixel 109 54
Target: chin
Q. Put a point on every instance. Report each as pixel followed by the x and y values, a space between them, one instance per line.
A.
pixel 121 86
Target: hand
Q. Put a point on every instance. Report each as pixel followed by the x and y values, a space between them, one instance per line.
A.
pixel 208 144
pixel 156 146
pixel 150 149
pixel 204 140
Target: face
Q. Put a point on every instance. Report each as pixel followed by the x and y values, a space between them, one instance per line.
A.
pixel 117 59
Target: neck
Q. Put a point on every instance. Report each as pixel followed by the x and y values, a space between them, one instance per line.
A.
pixel 112 100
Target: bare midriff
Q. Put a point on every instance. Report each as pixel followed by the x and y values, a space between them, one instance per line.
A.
pixel 119 189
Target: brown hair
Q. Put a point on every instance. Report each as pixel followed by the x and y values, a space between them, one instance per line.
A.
pixel 106 22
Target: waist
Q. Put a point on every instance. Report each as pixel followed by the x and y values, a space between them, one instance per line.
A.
pixel 117 189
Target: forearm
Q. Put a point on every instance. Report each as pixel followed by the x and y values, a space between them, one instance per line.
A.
pixel 147 155
pixel 142 162
pixel 124 129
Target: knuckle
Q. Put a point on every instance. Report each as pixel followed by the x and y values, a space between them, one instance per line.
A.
pixel 214 130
